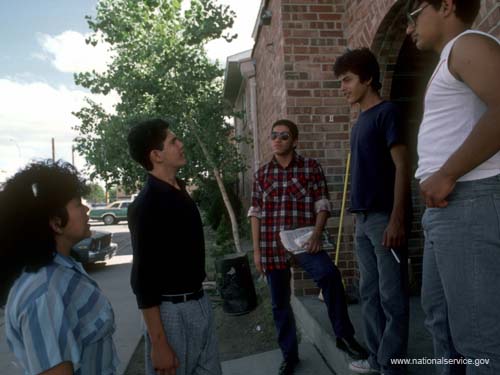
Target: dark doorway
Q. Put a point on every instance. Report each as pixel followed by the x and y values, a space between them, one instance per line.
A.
pixel 411 74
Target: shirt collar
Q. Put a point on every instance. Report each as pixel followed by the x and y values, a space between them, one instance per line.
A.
pixel 296 160
pixel 161 185
pixel 68 262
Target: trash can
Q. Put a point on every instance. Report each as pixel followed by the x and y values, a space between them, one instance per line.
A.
pixel 235 284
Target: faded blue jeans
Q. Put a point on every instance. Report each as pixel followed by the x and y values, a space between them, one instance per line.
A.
pixel 384 293
pixel 461 277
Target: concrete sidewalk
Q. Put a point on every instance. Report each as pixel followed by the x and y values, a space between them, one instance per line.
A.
pixel 312 319
pixel 311 363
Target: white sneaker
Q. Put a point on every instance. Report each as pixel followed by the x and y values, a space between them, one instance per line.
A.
pixel 362 367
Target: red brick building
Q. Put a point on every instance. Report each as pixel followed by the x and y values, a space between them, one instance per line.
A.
pixel 289 74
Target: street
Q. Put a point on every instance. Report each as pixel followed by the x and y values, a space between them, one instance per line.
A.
pixel 113 278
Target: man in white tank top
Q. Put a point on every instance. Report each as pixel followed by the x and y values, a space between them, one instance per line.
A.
pixel 459 173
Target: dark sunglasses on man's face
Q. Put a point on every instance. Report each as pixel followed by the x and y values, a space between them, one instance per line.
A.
pixel 282 135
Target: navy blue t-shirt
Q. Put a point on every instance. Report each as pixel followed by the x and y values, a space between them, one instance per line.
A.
pixel 372 168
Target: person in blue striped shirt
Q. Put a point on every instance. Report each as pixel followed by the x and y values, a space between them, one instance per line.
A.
pixel 57 320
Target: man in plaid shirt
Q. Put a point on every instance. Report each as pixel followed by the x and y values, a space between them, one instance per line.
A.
pixel 290 192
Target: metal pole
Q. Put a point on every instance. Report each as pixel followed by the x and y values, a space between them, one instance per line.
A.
pixel 53 150
pixel 344 196
pixel 341 220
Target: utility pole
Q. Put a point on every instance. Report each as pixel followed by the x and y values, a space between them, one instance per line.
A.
pixel 53 150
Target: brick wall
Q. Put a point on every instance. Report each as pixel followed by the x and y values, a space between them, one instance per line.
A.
pixel 270 77
pixel 381 25
pixel 294 57
pixel 489 17
pixel 312 36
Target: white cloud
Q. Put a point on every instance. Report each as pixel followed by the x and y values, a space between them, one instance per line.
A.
pixel 33 113
pixel 69 53
pixel 244 22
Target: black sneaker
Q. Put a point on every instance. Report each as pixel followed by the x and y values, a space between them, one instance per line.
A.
pixel 287 367
pixel 351 347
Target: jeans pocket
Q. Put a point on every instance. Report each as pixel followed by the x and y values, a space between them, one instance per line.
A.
pixel 448 229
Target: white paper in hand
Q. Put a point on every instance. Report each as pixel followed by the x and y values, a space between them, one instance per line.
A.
pixel 295 239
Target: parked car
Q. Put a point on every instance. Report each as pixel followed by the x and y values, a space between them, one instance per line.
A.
pixel 111 214
pixel 97 247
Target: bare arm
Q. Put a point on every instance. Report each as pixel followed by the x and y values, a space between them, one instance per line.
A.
pixel 65 368
pixel 162 354
pixel 255 223
pixel 314 243
pixel 394 234
pixel 474 60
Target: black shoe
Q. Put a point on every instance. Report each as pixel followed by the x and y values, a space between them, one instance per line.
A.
pixel 287 367
pixel 351 347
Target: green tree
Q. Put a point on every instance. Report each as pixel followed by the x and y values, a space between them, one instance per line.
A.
pixel 159 69
pixel 112 193
pixel 96 194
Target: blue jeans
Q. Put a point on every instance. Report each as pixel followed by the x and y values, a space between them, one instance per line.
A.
pixel 461 276
pixel 327 277
pixel 384 293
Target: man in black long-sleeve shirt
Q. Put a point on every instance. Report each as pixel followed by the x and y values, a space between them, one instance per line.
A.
pixel 169 260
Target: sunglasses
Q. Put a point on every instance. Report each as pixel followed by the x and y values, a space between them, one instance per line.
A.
pixel 412 17
pixel 282 135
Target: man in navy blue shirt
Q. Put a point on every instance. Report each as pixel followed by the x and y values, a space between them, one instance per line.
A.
pixel 380 193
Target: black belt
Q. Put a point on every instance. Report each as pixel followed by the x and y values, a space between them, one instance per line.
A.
pixel 178 298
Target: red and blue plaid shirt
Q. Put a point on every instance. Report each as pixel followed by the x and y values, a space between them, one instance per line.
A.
pixel 286 198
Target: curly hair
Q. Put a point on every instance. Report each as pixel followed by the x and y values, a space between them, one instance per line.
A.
pixel 28 201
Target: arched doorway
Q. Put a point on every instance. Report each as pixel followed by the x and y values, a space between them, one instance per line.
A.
pixel 405 72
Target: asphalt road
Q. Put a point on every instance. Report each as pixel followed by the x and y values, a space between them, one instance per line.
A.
pixel 113 278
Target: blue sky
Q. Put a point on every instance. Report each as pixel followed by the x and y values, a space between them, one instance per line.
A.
pixel 21 24
pixel 42 46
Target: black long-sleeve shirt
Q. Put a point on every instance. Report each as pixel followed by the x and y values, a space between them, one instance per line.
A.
pixel 167 241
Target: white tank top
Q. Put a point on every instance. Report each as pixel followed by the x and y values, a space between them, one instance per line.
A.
pixel 451 110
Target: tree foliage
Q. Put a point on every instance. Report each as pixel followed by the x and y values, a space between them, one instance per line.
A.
pixel 96 194
pixel 159 69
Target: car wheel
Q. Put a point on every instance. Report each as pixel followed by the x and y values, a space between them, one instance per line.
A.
pixel 108 219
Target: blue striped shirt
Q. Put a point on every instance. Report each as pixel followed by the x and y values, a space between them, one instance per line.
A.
pixel 59 314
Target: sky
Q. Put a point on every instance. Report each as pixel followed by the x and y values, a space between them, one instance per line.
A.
pixel 42 46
